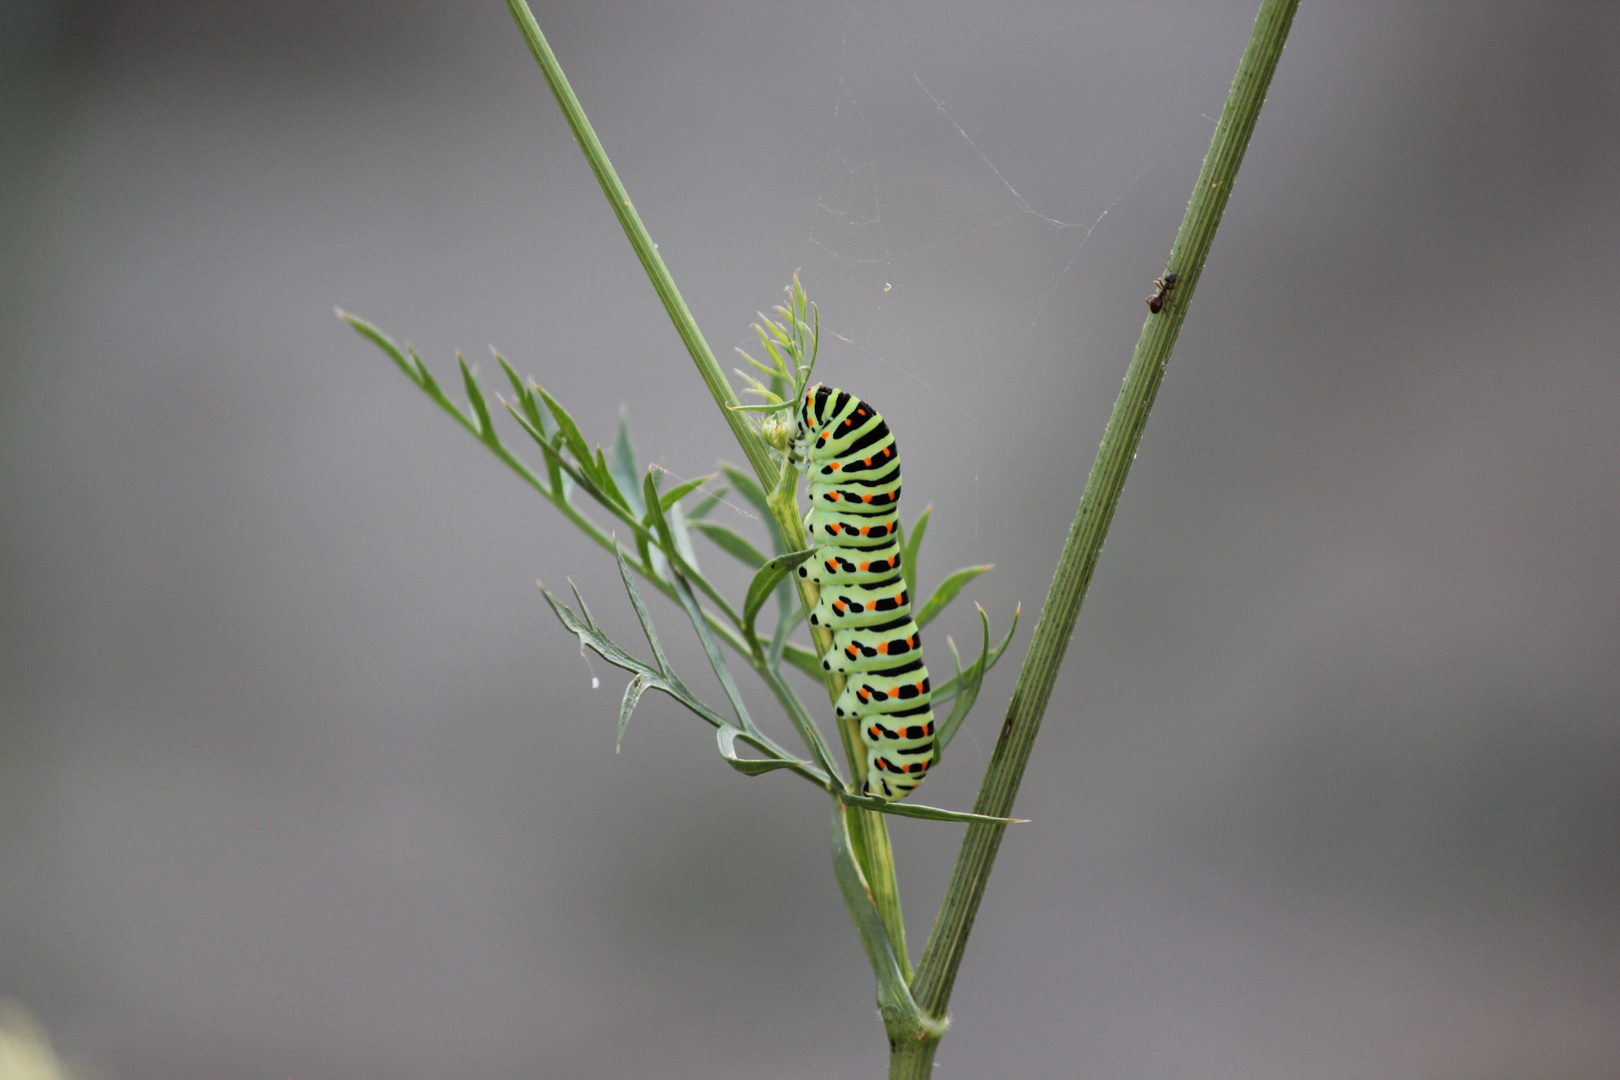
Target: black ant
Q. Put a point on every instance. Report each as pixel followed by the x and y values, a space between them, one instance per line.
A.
pixel 1155 302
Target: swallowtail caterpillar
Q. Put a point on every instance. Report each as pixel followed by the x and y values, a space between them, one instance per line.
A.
pixel 854 523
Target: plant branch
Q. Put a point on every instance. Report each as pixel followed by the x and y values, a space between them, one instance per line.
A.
pixel 936 973
pixel 685 325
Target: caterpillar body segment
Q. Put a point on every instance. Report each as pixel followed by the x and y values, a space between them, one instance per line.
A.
pixel 854 472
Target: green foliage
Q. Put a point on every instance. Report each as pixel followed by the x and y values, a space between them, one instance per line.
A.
pixel 660 554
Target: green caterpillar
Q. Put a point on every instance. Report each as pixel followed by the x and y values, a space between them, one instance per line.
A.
pixel 854 522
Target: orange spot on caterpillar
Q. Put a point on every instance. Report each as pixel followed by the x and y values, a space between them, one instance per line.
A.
pixel 868 498
pixel 867 462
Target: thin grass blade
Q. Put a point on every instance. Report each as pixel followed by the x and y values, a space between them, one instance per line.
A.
pixel 641 610
pixel 707 503
pixel 764 584
pixel 968 683
pixel 947 690
pixel 948 590
pixel 908 564
pixel 637 686
pixel 928 813
pixel 727 737
pixel 731 543
pixel 475 395
pixel 711 649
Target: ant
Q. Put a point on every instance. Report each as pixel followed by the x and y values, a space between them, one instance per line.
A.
pixel 1155 302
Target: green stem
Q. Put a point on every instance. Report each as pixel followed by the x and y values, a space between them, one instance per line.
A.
pixel 870 834
pixel 719 386
pixel 913 1059
pixel 936 973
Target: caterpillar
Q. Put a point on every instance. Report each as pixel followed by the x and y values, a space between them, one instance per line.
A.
pixel 854 523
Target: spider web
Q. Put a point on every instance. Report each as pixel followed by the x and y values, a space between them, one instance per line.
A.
pixel 919 199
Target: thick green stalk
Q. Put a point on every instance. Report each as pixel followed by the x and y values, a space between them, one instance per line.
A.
pixel 870 834
pixel 936 973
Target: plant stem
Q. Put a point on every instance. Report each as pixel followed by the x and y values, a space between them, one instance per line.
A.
pixel 753 447
pixel 936 973
pixel 870 835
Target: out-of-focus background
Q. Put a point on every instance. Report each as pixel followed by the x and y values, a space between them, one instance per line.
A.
pixel 299 778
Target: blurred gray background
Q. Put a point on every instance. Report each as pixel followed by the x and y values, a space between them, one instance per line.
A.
pixel 299 778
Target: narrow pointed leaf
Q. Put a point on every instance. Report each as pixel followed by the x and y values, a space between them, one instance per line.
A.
pixel 749 489
pixel 666 541
pixel 948 591
pixel 731 543
pixel 637 686
pixel 968 683
pixel 711 649
pixel 804 659
pixel 529 416
pixel 382 341
pixel 598 468
pixel 708 503
pixel 641 609
pixel 570 430
pixel 778 407
pixel 805 726
pixel 590 635
pixel 765 582
pixel 625 471
pixel 566 472
pixel 947 690
pixel 676 494
pixel 727 737
pixel 784 626
pixel 908 564
pixel 423 375
pixel 525 396
pixel 475 394
pixel 683 536
pixel 930 813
